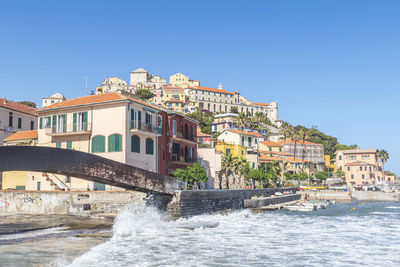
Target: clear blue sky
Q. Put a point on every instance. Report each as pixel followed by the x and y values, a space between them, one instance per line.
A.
pixel 333 64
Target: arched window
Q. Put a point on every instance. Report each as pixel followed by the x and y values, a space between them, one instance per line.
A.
pixel 135 143
pixel 191 132
pixel 149 146
pixel 115 143
pixel 98 144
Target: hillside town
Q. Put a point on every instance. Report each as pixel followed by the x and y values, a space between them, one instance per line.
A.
pixel 170 127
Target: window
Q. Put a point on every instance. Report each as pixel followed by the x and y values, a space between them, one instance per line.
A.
pixel 249 140
pixel 348 168
pixel 227 151
pixel 173 127
pixel 10 119
pixel 80 121
pixel 360 168
pixel 363 176
pixel 61 123
pixel 58 145
pixel 242 140
pixel 135 143
pixel 19 122
pixel 191 132
pixel 340 157
pixel 69 145
pixel 115 143
pixel 149 146
pixel 32 125
pixel 352 176
pixel 270 148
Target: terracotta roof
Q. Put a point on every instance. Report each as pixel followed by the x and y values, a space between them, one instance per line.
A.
pixel 287 159
pixel 255 134
pixel 261 104
pixel 22 135
pixel 96 99
pixel 300 142
pixel 199 134
pixel 202 88
pixel 275 153
pixel 270 143
pixel 358 163
pixel 17 107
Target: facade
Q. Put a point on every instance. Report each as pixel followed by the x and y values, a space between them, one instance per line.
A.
pixel 15 117
pixel 203 138
pixel 222 101
pixel 329 163
pixel 114 125
pixel 306 150
pixel 56 98
pixel 182 81
pixel 23 138
pixel 112 84
pixel 174 98
pixel 361 166
pixel 238 143
pixel 224 121
pixel 181 141
pixel 141 78
pixel 211 162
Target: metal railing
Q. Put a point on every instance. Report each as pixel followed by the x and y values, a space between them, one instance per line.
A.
pixel 176 157
pixel 69 128
pixel 136 125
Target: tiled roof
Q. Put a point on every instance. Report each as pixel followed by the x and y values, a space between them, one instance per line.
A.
pixel 358 163
pixel 360 151
pixel 22 135
pixel 199 134
pixel 96 99
pixel 299 142
pixel 202 88
pixel 255 134
pixel 287 159
pixel 17 107
pixel 270 143
pixel 261 104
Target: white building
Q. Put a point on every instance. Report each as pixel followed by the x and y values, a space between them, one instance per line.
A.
pixel 15 117
pixel 56 98
pixel 141 78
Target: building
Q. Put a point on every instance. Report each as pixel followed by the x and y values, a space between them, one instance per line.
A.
pixel 222 101
pixel 22 138
pixel 114 125
pixel 15 117
pixel 112 84
pixel 224 121
pixel 180 80
pixel 238 143
pixel 390 177
pixel 181 139
pixel 174 98
pixel 329 163
pixel 361 166
pixel 141 78
pixel 306 150
pixel 203 138
pixel 56 98
pixel 211 162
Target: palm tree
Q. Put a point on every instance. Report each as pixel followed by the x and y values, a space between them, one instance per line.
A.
pixel 242 168
pixel 286 130
pixel 383 156
pixel 304 135
pixel 226 168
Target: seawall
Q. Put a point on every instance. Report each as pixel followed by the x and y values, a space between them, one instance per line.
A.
pixel 64 203
pixel 191 203
pixel 375 196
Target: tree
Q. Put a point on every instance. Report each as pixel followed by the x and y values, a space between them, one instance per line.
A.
pixel 304 135
pixel 226 168
pixel 234 110
pixel 344 147
pixel 192 174
pixel 340 173
pixel 28 103
pixel 383 156
pixel 242 121
pixel 144 94
pixel 205 119
pixel 286 131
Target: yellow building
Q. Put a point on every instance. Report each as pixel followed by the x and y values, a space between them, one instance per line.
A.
pixel 18 179
pixel 174 98
pixel 329 164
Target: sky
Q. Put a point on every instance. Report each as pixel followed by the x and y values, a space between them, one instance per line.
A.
pixel 330 64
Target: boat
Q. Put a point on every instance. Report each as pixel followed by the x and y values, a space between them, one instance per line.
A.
pixel 301 207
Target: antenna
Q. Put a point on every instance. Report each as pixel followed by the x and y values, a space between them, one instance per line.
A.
pixel 85 89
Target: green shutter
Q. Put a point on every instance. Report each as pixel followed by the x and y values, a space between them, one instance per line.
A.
pixel 74 122
pixel 69 145
pixel 58 145
pixel 41 123
pixel 135 143
pixel 132 114
pixel 85 119
pixel 98 144
pixel 48 122
pixel 111 143
pixel 54 120
pixel 64 123
pixel 149 146
pixel 118 145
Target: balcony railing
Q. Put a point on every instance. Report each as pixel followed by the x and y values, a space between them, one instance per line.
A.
pixel 181 158
pixel 135 125
pixel 70 129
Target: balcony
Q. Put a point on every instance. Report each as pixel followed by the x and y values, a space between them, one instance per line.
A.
pixel 179 136
pixel 180 159
pixel 144 128
pixel 70 129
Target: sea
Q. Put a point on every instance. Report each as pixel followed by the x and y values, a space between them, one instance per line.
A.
pixel 353 234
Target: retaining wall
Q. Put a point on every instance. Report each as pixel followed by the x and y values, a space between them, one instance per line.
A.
pixel 76 203
pixel 190 203
pixel 261 202
pixel 375 196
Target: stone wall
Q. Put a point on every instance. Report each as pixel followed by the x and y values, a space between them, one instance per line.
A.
pixel 190 203
pixel 261 202
pixel 74 203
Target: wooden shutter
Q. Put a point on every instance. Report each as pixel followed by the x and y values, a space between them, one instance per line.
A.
pixel 135 143
pixel 85 120
pixel 41 123
pixel 149 146
pixel 48 125
pixel 111 143
pixel 74 122
pixel 64 123
pixel 54 125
